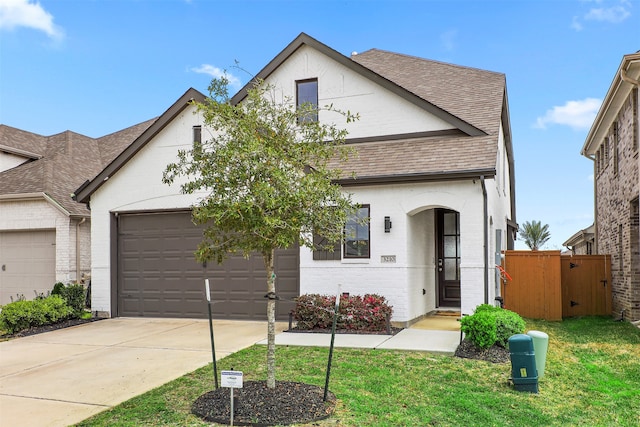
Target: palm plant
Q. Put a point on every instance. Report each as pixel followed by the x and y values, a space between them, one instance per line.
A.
pixel 535 234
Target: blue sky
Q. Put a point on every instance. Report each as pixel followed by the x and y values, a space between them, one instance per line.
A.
pixel 95 67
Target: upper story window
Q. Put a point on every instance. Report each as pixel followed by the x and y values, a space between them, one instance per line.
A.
pixel 615 147
pixel 307 99
pixel 357 234
pixel 197 134
pixel 634 107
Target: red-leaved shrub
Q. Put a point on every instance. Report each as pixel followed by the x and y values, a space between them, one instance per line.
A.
pixel 357 313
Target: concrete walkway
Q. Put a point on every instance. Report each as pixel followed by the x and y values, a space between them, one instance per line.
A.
pixel 436 334
pixel 63 377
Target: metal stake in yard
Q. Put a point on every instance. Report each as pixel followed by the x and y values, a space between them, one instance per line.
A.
pixel 213 347
pixel 333 336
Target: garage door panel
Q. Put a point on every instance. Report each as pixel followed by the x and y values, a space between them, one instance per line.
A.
pixel 28 259
pixel 158 275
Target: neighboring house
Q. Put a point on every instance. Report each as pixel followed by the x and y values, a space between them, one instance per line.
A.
pixel 44 234
pixel 434 172
pixel 582 242
pixel 612 144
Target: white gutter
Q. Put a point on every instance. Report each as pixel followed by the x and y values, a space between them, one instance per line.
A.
pixel 19 152
pixel 626 78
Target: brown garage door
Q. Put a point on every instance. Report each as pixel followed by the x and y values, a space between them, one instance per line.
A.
pixel 27 264
pixel 159 277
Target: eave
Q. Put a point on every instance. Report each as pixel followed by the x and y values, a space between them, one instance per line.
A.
pixel 612 103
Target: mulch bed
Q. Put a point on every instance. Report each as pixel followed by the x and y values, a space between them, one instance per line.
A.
pixel 257 405
pixel 345 331
pixel 48 328
pixel 494 354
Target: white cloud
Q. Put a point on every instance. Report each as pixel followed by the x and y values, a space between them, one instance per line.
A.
pixel 575 114
pixel 448 39
pixel 24 13
pixel 575 24
pixel 216 72
pixel 611 14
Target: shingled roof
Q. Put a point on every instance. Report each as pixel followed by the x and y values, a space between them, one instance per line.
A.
pixel 60 163
pixel 473 95
pixel 473 101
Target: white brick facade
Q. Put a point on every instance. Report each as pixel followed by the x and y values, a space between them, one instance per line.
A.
pixel 409 282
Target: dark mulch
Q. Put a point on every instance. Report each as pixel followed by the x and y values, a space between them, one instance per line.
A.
pixel 48 328
pixel 345 331
pixel 494 354
pixel 257 405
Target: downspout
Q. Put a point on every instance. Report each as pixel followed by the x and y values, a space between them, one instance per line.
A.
pixel 486 240
pixel 82 221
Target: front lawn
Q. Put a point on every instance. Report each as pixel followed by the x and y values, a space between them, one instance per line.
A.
pixel 592 378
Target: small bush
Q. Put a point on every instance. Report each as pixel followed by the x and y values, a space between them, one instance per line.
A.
pixel 57 288
pixel 74 294
pixel 490 325
pixel 20 315
pixel 357 313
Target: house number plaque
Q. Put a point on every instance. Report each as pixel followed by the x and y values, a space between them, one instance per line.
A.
pixel 388 258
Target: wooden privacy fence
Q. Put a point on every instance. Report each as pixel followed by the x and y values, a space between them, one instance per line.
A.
pixel 547 285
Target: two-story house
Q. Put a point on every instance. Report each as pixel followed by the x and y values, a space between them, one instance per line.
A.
pixel 433 173
pixel 612 145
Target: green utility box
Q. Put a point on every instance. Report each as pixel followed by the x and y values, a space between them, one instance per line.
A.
pixel 540 346
pixel 524 373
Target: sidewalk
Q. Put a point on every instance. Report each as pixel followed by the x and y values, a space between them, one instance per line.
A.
pixel 433 335
pixel 441 342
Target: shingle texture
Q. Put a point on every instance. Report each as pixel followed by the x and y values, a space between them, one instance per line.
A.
pixel 66 161
pixel 472 95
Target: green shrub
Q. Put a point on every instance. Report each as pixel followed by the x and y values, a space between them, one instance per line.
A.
pixel 21 315
pixel 57 288
pixel 74 294
pixel 55 310
pixel 357 313
pixel 490 325
pixel 508 324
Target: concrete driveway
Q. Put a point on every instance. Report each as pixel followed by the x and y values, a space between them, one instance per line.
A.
pixel 62 377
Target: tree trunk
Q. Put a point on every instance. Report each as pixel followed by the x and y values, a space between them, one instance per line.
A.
pixel 271 319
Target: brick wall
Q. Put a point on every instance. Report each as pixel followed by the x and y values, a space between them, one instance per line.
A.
pixel 617 189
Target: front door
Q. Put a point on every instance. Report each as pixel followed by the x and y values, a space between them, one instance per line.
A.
pixel 448 252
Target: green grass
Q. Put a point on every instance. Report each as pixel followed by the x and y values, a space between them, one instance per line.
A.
pixel 592 378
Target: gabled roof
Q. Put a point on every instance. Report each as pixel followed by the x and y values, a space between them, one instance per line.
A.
pixel 124 154
pixel 473 101
pixel 453 93
pixel 60 163
pixel 627 75
pixel 581 236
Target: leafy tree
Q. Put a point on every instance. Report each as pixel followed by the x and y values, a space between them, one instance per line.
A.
pixel 267 182
pixel 535 234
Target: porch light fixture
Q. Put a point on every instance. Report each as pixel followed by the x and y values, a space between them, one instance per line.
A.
pixel 387 224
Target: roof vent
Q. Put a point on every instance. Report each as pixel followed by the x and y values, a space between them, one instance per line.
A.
pixel 354 53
